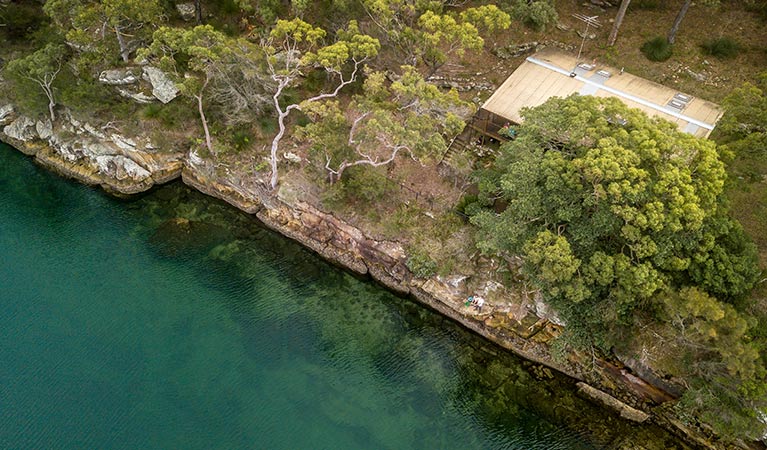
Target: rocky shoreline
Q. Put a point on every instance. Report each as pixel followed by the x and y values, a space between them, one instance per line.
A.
pixel 129 165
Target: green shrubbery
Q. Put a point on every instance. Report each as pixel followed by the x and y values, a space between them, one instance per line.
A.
pixel 647 4
pixel 539 14
pixel 723 47
pixel 420 263
pixel 657 49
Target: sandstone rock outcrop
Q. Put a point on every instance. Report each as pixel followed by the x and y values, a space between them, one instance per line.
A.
pixel 162 87
pixel 120 164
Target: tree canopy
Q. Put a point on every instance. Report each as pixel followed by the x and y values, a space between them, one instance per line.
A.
pixel 408 116
pixel 620 219
pixel 607 212
pixel 88 25
pixel 38 71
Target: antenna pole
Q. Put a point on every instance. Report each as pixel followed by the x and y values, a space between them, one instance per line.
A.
pixel 589 21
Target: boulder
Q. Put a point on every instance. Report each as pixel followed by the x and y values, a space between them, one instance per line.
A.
pixel 22 129
pixel 138 97
pixel 186 10
pixel 543 311
pixel 292 157
pixel 6 113
pixel 44 129
pixel 119 77
pixel 121 168
pixel 162 87
pixel 697 76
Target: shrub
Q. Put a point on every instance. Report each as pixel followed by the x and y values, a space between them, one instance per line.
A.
pixel 722 48
pixel 241 138
pixel 657 49
pixel 647 4
pixel 421 264
pixel 20 20
pixel 538 15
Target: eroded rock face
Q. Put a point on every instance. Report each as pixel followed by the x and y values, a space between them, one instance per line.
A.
pixel 6 113
pixel 121 164
pixel 22 129
pixel 44 129
pixel 121 168
pixel 162 87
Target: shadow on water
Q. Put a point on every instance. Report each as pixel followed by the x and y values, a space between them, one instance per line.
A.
pixel 443 366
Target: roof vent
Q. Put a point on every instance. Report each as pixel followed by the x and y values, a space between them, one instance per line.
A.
pixel 679 101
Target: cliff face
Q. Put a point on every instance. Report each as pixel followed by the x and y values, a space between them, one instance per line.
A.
pixel 127 165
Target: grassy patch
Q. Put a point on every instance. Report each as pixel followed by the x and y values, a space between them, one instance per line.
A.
pixel 722 47
pixel 657 49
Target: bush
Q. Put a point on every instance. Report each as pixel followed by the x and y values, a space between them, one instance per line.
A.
pixel 722 48
pixel 421 264
pixel 20 20
pixel 538 15
pixel 657 49
pixel 647 4
pixel 171 115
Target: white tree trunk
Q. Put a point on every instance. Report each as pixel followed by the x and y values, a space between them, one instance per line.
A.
pixel 124 52
pixel 208 141
pixel 678 21
pixel 618 21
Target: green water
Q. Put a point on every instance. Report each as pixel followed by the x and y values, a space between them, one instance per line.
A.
pixel 175 322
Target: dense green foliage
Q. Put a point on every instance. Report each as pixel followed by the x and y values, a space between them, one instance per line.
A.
pixel 721 47
pixel 657 49
pixel 424 33
pixel 539 14
pixel 744 126
pixel 104 30
pixel 621 222
pixel 408 116
pixel 37 72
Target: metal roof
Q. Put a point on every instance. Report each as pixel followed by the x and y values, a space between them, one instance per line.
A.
pixel 549 73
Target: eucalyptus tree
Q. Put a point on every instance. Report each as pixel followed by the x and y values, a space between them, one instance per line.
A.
pixel 681 15
pixel 618 22
pixel 88 24
pixel 424 32
pixel 40 69
pixel 621 221
pixel 294 47
pixel 193 57
pixel 608 216
pixel 408 116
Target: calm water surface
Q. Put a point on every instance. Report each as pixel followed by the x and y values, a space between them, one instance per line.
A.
pixel 175 322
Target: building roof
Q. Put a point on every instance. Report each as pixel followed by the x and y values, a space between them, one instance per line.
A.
pixel 548 73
